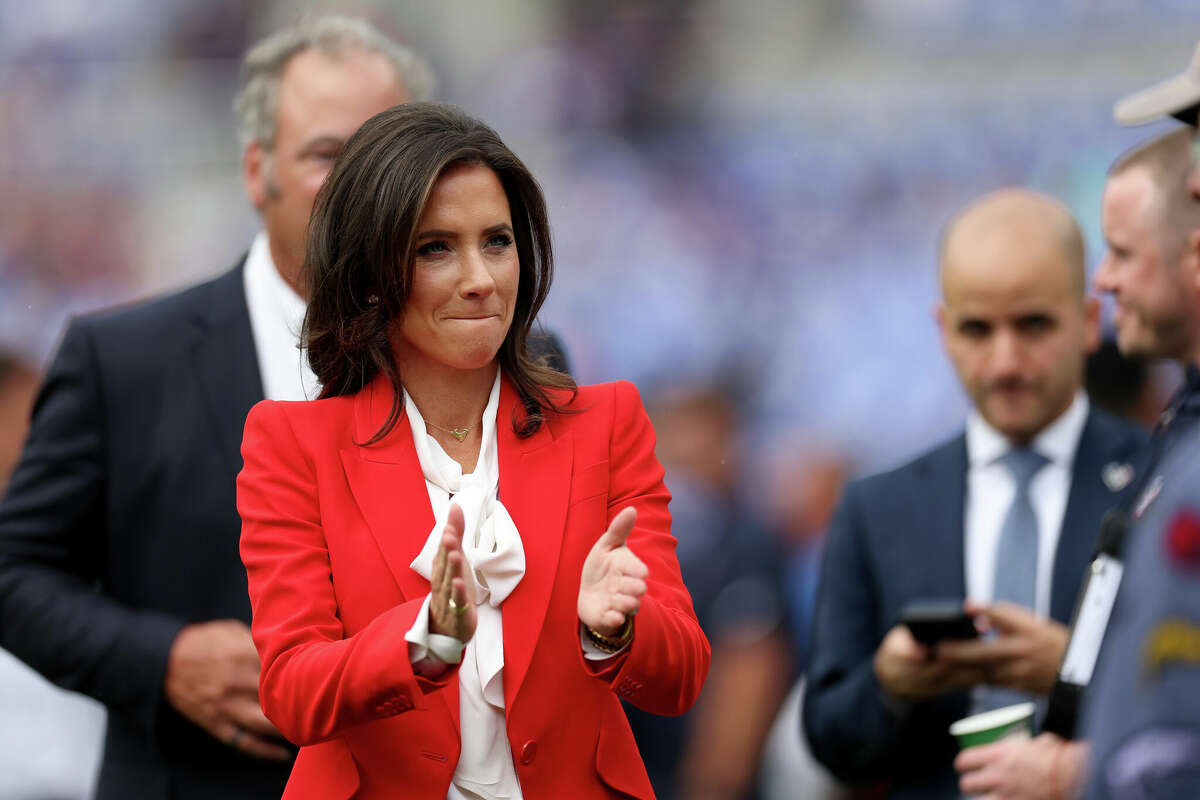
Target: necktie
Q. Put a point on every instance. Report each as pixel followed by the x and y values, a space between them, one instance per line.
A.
pixel 1016 559
pixel 1017 548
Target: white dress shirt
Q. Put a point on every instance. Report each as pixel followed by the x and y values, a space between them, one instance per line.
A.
pixel 276 316
pixel 990 492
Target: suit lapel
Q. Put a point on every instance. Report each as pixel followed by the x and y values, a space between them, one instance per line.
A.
pixel 389 487
pixel 535 476
pixel 225 362
pixel 943 498
pixel 1087 501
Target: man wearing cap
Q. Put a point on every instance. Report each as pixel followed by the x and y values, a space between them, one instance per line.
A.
pixel 119 569
pixel 1151 223
pixel 1143 714
pixel 1004 514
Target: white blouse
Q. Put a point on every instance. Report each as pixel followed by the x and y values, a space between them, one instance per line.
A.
pixel 493 549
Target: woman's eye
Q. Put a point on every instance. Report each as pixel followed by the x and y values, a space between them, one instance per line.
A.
pixel 432 248
pixel 499 240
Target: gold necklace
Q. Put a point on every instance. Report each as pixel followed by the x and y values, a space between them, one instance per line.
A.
pixel 457 433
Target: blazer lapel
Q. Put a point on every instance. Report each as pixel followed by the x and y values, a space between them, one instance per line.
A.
pixel 1087 501
pixel 225 362
pixel 943 497
pixel 535 475
pixel 389 487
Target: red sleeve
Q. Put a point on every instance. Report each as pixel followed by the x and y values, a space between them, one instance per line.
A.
pixel 667 661
pixel 315 681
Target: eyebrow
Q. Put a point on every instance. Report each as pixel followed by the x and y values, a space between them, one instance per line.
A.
pixel 322 141
pixel 441 234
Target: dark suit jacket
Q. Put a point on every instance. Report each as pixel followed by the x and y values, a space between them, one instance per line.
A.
pixel 120 526
pixel 898 537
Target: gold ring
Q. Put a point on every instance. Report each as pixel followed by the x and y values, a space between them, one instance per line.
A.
pixel 455 608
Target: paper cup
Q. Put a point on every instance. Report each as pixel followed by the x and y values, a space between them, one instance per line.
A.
pixel 1010 722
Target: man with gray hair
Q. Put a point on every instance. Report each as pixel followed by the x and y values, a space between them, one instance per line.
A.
pixel 120 575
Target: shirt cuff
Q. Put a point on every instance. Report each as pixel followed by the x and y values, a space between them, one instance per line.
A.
pixel 430 653
pixel 593 653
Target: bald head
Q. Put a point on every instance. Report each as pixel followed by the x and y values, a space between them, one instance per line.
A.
pixel 1014 317
pixel 984 235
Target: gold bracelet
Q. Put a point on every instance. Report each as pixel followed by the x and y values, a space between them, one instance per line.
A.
pixel 611 644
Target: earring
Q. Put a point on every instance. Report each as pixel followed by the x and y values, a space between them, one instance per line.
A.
pixel 372 299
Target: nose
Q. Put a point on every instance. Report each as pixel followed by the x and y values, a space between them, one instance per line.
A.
pixel 1007 354
pixel 1105 279
pixel 476 281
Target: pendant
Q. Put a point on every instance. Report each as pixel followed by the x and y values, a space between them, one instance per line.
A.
pixel 459 433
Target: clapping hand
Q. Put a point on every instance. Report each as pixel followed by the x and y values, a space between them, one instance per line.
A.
pixel 613 580
pixel 452 608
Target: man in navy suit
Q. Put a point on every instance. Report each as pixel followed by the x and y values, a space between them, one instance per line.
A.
pixel 1017 324
pixel 119 568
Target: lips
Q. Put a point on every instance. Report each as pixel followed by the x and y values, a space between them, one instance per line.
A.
pixel 471 317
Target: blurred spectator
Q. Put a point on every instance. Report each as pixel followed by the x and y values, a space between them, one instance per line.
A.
pixel 18 384
pixel 803 496
pixel 731 565
pixel 805 486
pixel 1004 514
pixel 51 738
pixel 1128 387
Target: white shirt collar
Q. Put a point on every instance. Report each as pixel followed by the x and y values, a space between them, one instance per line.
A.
pixel 261 269
pixel 1057 441
pixel 276 318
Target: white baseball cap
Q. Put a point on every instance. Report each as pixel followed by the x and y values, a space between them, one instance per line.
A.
pixel 1178 97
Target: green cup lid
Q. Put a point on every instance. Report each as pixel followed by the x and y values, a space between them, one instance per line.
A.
pixel 989 720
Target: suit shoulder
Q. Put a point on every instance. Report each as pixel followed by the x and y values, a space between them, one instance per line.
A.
pixel 146 318
pixel 610 391
pixel 948 457
pixel 315 425
pixel 304 415
pixel 1117 431
pixel 621 394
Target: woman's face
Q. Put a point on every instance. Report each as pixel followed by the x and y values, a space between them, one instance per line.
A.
pixel 465 274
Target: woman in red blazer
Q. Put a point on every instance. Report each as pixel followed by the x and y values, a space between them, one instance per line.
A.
pixel 457 559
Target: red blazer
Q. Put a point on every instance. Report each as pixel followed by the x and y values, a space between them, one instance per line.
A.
pixel 329 528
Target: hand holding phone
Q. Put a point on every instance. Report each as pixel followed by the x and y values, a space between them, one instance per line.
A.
pixel 932 621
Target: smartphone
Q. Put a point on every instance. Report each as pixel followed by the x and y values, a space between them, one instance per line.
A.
pixel 934 620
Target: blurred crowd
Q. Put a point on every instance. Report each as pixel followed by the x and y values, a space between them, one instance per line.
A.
pixel 746 201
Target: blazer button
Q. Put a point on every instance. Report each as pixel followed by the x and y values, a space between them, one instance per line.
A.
pixel 528 752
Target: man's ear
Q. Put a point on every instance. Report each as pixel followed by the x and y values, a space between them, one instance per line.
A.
pixel 255 177
pixel 1092 332
pixel 1189 260
pixel 1193 183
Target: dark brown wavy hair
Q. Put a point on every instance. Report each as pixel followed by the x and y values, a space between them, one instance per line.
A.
pixel 362 243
